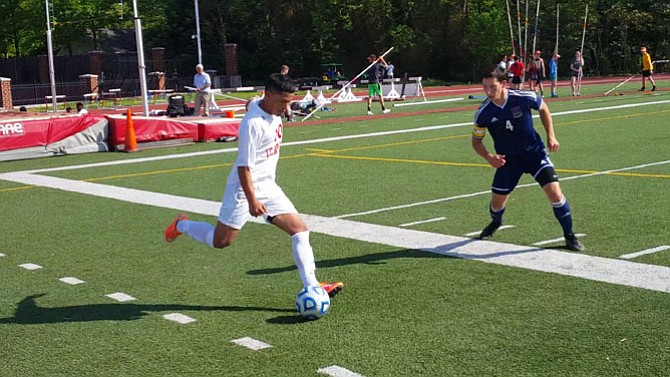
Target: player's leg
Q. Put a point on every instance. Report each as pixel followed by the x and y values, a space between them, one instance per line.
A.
pixel 381 98
pixel 283 214
pixel 206 99
pixel 371 94
pixel 573 85
pixel 653 83
pixel 198 101
pixel 504 181
pixel 548 179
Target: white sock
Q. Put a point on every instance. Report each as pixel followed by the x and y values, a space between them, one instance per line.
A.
pixel 199 231
pixel 304 258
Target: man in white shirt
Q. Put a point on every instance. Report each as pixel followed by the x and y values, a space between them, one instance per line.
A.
pixel 202 83
pixel 251 190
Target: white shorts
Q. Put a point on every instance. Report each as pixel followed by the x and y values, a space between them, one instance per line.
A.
pixel 234 210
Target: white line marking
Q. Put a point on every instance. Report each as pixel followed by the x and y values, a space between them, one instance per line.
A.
pixel 554 240
pixel 423 221
pixel 338 371
pixel 646 252
pixel 464 196
pixel 316 141
pixel 121 297
pixel 478 232
pixel 72 281
pixel 30 266
pixel 179 318
pixel 614 271
pixel 2 255
pixel 426 102
pixel 251 343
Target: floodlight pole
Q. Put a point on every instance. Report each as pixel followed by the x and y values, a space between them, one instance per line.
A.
pixel 140 59
pixel 197 30
pixel 50 52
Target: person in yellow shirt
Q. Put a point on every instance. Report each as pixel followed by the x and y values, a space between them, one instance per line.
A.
pixel 647 70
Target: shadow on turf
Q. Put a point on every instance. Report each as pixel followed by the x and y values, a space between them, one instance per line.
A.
pixel 29 313
pixel 444 251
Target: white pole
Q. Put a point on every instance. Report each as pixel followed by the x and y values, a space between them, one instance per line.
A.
pixel 345 86
pixel 511 29
pixel 197 30
pixel 537 18
pixel 581 50
pixel 140 59
pixel 52 72
pixel 518 24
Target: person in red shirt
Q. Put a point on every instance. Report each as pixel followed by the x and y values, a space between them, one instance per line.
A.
pixel 516 69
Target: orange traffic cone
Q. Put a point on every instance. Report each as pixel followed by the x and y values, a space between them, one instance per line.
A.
pixel 130 143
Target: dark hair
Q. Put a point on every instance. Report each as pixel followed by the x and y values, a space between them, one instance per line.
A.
pixel 279 83
pixel 495 75
pixel 23 108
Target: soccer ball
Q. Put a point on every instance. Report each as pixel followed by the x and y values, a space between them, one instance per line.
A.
pixel 312 302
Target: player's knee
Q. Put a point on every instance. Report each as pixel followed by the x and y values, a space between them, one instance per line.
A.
pixel 223 242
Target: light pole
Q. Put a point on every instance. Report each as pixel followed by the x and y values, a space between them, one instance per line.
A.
pixel 140 59
pixel 50 52
pixel 197 30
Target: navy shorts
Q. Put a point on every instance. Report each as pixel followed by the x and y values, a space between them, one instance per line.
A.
pixel 536 164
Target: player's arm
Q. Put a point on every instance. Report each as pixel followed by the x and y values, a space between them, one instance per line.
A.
pixel 495 160
pixel 256 208
pixel 548 124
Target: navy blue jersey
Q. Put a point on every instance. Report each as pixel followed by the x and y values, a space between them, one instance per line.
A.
pixel 511 125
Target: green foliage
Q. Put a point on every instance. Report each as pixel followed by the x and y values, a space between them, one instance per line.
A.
pixel 447 39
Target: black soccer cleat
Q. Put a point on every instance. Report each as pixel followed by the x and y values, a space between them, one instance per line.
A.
pixel 653 88
pixel 489 230
pixel 572 243
pixel 642 89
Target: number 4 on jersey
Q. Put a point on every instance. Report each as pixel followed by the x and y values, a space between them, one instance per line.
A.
pixel 509 126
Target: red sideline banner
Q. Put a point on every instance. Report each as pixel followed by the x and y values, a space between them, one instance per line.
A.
pixel 36 132
pixel 149 129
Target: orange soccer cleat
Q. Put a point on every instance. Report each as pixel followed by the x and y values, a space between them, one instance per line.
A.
pixel 332 288
pixel 171 233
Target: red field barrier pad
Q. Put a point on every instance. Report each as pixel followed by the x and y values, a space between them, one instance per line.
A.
pixel 24 132
pixel 151 129
pixel 213 128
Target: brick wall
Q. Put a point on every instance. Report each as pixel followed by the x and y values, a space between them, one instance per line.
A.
pixel 6 93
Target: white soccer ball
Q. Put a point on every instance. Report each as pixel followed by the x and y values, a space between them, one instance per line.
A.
pixel 312 302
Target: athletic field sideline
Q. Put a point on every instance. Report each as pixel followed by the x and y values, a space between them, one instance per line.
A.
pixel 391 202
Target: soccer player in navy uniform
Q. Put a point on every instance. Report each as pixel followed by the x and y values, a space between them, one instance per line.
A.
pixel 519 149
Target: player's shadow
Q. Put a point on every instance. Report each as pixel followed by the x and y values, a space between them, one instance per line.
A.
pixel 450 250
pixel 29 313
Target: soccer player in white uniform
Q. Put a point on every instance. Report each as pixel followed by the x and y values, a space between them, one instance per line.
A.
pixel 251 190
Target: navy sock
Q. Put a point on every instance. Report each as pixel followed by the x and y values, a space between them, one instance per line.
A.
pixel 562 213
pixel 496 216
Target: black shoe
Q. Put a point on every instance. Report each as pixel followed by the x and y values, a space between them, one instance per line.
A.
pixel 572 243
pixel 489 230
pixel 653 88
pixel 642 89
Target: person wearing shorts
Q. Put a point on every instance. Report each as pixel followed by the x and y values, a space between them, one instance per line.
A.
pixel 375 74
pixel 519 149
pixel 647 70
pixel 251 190
pixel 541 72
pixel 553 73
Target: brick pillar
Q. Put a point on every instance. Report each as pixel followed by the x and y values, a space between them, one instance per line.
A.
pixel 232 67
pixel 158 59
pixel 6 93
pixel 43 68
pixel 157 80
pixel 95 60
pixel 90 83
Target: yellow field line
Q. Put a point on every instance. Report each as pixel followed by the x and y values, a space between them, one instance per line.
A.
pixel 469 164
pixel 412 142
pixel 16 188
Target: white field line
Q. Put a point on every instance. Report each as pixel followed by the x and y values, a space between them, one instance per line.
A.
pixel 488 192
pixel 423 221
pixel 121 297
pixel 426 102
pixel 316 141
pixel 30 266
pixel 251 343
pixel 554 240
pixel 2 255
pixel 478 232
pixel 72 281
pixel 614 271
pixel 338 371
pixel 646 252
pixel 181 319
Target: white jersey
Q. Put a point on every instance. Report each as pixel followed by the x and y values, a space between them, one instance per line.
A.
pixel 260 135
